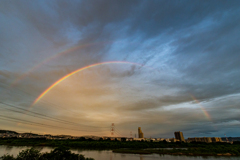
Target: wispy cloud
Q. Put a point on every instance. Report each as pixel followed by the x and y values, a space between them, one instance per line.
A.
pixel 189 49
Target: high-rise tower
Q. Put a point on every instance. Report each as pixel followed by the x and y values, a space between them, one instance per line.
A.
pixel 140 133
pixel 179 136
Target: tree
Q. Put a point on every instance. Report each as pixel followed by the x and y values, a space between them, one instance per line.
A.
pixel 7 157
pixel 82 139
pixel 29 154
pixel 59 153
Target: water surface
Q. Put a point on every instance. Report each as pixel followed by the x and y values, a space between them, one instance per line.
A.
pixel 109 155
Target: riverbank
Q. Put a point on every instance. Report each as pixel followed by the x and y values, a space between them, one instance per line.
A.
pixel 171 152
pixel 216 149
pixel 108 154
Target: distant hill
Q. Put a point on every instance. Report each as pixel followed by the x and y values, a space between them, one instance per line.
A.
pixel 7 131
pixel 33 134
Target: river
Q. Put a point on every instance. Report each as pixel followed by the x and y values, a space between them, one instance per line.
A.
pixel 109 155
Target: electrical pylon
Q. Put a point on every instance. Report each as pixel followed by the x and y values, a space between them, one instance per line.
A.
pixel 112 129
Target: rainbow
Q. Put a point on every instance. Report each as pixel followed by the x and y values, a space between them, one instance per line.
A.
pixel 35 67
pixel 81 69
pixel 202 108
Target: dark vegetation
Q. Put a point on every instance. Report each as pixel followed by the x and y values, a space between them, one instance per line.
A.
pixel 7 131
pixel 59 153
pixel 133 146
pixel 200 151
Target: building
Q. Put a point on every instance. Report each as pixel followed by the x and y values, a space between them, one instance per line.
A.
pixel 179 136
pixel 160 139
pixel 205 139
pixel 173 140
pixel 138 139
pixel 140 133
pixel 216 139
pixel 200 139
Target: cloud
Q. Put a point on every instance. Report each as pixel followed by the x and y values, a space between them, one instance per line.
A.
pixel 188 49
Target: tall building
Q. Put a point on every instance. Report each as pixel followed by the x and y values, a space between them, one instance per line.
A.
pixel 140 133
pixel 216 139
pixel 179 136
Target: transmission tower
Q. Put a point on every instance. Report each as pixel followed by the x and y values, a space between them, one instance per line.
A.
pixel 112 129
pixel 226 137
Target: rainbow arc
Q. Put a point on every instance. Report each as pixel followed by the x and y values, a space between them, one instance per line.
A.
pixel 79 70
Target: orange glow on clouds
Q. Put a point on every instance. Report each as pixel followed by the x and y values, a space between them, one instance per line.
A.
pixel 78 70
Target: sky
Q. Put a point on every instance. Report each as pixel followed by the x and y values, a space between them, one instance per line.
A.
pixel 161 65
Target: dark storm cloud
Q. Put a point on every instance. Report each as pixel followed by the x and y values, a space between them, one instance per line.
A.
pixel 102 21
pixel 54 21
pixel 208 58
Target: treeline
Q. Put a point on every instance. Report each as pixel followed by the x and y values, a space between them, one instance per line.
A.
pixel 108 144
pixel 60 153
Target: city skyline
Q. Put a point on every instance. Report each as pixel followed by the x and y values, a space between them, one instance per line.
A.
pixel 77 67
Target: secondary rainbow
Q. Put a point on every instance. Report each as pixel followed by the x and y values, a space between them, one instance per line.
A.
pixel 81 69
pixel 69 50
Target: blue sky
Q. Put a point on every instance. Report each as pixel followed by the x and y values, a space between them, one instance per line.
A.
pixel 189 82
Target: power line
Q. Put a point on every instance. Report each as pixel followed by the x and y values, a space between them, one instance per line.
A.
pixel 43 101
pixel 37 124
pixel 34 115
pixel 42 116
pixel 39 115
pixel 45 116
pixel 113 130
pixel 119 132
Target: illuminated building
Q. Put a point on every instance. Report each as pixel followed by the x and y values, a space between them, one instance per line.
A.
pixel 179 136
pixel 216 139
pixel 140 133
